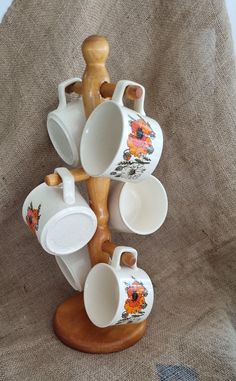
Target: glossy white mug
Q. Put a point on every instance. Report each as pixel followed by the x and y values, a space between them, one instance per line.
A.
pixel 65 125
pixel 121 143
pixel 139 208
pixel 115 294
pixel 59 216
pixel 75 267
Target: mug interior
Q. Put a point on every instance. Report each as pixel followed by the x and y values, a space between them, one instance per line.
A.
pixel 61 141
pixel 143 206
pixel 101 138
pixel 101 295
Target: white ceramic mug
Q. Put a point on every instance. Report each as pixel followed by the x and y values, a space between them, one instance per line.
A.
pixel 75 267
pixel 121 143
pixel 59 216
pixel 115 294
pixel 65 125
pixel 139 208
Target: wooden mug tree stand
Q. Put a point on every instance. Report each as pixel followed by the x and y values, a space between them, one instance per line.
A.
pixel 71 323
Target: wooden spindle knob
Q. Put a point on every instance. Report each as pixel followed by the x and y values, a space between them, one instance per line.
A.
pixel 95 50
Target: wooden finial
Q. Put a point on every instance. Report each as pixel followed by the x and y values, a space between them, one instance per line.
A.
pixel 95 50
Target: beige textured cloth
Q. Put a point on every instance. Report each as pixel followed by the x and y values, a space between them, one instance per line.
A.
pixel 181 51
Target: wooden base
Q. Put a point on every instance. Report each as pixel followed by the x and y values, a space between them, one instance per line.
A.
pixel 74 329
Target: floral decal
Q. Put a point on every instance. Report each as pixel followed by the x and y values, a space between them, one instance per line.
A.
pixel 135 303
pixel 136 156
pixel 32 217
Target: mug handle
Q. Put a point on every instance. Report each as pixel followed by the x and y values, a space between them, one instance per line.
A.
pixel 61 90
pixel 119 93
pixel 119 250
pixel 68 185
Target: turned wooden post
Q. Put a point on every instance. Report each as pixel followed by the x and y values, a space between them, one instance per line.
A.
pixel 95 52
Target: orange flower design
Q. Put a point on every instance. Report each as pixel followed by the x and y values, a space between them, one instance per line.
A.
pixel 139 146
pixel 140 140
pixel 134 305
pixel 136 298
pixel 140 127
pixel 136 156
pixel 32 217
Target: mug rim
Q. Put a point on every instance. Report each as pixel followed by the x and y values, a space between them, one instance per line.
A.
pixel 121 197
pixel 96 110
pixel 53 115
pixel 109 267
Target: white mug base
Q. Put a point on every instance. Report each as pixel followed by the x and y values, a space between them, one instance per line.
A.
pixel 68 231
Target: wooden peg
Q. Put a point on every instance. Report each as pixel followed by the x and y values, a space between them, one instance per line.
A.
pixel 75 87
pixel 127 259
pixel 107 90
pixel 54 179
pixel 131 92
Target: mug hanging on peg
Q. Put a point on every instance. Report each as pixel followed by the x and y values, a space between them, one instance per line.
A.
pixel 65 126
pixel 121 143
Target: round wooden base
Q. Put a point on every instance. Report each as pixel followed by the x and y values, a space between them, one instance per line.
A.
pixel 73 328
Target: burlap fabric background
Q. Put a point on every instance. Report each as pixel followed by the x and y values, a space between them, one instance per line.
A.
pixel 181 51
